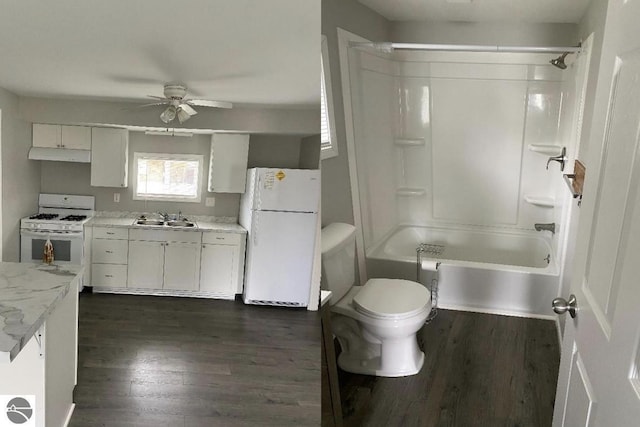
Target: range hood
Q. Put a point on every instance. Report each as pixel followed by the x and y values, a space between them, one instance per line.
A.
pixel 60 154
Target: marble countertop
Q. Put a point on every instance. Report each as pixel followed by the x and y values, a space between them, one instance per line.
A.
pixel 29 293
pixel 201 224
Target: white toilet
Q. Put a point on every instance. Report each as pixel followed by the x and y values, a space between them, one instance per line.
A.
pixel 376 324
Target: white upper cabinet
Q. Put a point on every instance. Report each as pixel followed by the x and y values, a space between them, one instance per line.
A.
pixel 59 136
pixel 109 157
pixel 76 137
pixel 228 163
pixel 47 136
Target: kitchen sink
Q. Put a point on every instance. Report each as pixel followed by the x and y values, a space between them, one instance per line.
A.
pixel 180 224
pixel 149 222
pixel 161 223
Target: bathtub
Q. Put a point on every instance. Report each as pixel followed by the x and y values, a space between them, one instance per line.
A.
pixel 500 272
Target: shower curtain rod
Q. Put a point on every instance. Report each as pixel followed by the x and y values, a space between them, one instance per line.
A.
pixel 390 47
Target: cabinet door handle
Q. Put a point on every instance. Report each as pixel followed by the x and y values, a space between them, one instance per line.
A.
pixel 109 252
pixel 166 244
pixel 110 233
pixel 108 275
pixel 219 238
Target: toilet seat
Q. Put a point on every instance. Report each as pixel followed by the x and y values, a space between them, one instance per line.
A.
pixel 393 299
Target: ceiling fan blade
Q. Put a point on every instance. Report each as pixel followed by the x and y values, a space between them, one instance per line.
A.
pixel 152 104
pixel 157 97
pixel 187 108
pixel 207 103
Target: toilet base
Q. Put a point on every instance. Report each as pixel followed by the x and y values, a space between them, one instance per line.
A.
pixel 393 358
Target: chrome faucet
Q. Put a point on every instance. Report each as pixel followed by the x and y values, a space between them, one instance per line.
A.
pixel 548 227
pixel 164 215
pixel 561 158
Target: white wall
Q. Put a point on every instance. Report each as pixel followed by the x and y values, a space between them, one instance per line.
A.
pixel 20 177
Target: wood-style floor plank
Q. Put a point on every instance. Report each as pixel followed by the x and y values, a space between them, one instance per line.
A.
pixel 479 370
pixel 159 361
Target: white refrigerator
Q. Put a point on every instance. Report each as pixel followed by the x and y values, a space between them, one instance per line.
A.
pixel 279 209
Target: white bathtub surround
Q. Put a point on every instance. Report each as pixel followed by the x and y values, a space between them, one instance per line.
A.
pixel 459 141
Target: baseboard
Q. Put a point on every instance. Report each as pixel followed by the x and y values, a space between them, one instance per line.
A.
pixel 156 292
pixel 69 415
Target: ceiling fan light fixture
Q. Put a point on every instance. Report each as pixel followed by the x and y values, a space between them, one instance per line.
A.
pixel 183 116
pixel 169 114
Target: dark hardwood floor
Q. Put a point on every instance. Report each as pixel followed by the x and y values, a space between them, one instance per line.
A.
pixel 182 362
pixel 479 370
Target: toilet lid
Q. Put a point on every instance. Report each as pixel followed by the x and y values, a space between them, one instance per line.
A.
pixel 392 298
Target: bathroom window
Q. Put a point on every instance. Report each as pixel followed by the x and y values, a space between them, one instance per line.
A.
pixel 167 177
pixel 328 141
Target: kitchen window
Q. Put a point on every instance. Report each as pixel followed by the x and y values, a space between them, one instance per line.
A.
pixel 167 177
pixel 328 140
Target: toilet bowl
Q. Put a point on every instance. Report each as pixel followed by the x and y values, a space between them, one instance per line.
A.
pixel 375 324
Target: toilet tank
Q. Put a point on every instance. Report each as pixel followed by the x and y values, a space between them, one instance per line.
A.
pixel 338 259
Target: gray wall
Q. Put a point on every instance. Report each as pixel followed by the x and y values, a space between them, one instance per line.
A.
pixel 20 177
pixel 358 19
pixel 508 34
pixel 74 178
pixel 310 152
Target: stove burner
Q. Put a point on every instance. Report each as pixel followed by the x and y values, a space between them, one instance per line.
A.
pixel 44 216
pixel 74 218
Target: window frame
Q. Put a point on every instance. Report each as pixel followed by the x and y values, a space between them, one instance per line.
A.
pixel 331 149
pixel 168 156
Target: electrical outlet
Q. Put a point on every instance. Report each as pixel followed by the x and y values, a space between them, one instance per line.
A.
pixel 210 202
pixel 116 197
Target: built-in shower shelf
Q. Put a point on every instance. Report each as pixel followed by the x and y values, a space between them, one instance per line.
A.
pixel 546 149
pixel 411 192
pixel 544 202
pixel 409 141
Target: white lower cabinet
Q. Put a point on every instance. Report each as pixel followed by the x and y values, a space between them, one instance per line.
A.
pixel 146 264
pixel 168 265
pixel 134 260
pixel 216 272
pixel 181 266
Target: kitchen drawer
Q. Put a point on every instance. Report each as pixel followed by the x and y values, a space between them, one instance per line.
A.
pixel 110 275
pixel 110 233
pixel 185 236
pixel 108 251
pixel 222 238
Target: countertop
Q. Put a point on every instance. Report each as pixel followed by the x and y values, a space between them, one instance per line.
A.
pixel 29 293
pixel 200 225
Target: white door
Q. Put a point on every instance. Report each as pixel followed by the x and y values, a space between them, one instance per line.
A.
pixel 76 137
pixel 47 136
pixel 181 266
pixel 216 273
pixel 146 265
pixel 292 190
pixel 599 382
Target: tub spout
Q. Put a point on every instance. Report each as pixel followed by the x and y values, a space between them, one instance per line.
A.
pixel 548 227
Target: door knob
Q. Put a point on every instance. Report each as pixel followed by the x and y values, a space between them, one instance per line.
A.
pixel 561 305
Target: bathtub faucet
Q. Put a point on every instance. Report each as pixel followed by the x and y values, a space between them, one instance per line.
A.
pixel 549 227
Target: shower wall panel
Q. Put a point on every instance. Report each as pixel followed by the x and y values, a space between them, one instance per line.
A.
pixel 374 152
pixel 477 148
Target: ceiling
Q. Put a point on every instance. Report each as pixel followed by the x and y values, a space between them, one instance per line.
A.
pixel 242 51
pixel 530 11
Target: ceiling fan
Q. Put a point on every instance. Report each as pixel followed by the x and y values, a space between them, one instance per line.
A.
pixel 178 106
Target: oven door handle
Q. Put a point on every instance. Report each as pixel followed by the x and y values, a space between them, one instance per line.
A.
pixel 32 233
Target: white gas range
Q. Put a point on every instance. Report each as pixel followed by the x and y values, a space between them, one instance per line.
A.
pixel 60 219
